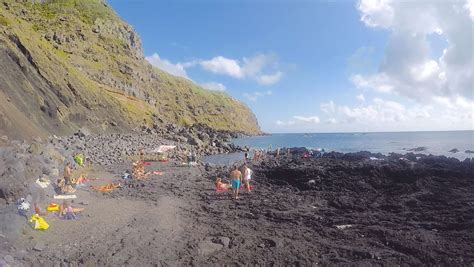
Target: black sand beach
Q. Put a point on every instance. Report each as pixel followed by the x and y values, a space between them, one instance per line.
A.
pixel 338 209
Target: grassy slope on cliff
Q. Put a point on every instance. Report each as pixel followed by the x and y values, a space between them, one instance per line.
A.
pixel 71 63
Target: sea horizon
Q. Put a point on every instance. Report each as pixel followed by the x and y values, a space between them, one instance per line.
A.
pixel 371 132
pixel 457 144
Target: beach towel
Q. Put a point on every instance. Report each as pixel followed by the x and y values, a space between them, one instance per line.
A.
pixel 220 189
pixel 65 196
pixel 66 216
pixel 43 183
pixel 52 207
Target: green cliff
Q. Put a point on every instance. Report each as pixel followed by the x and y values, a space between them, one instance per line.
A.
pixel 66 64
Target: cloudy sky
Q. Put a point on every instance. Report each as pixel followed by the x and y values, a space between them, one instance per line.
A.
pixel 321 66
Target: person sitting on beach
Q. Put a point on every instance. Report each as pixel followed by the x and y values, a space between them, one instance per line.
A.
pixel 81 180
pixel 63 188
pixel 66 211
pixel 247 174
pixel 139 170
pixel 220 185
pixel 236 178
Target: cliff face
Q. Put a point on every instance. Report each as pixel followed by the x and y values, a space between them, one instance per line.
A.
pixel 72 63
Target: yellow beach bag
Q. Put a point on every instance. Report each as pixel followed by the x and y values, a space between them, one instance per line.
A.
pixel 38 223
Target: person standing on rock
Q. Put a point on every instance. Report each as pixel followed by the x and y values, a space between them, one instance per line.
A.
pixel 256 155
pixel 247 173
pixel 236 178
pixel 67 173
pixel 141 154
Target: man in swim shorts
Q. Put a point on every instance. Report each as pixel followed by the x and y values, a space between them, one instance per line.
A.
pixel 236 178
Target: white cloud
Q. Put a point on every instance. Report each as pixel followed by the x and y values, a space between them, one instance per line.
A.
pixel 299 121
pixel 470 7
pixel 214 86
pixel 285 123
pixel 311 119
pixel 387 115
pixel 256 95
pixel 379 111
pixel 270 78
pixel 408 68
pixel 328 107
pixel 253 66
pixel 379 82
pixel 360 97
pixel 376 13
pixel 261 68
pixel 164 64
pixel 222 65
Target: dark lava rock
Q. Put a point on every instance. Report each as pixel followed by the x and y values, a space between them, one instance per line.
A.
pixel 225 241
pixel 418 149
pixel 39 246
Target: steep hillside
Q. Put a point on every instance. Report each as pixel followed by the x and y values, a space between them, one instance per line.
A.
pixel 72 63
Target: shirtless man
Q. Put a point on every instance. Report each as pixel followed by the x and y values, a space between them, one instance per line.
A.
pixel 236 178
pixel 68 173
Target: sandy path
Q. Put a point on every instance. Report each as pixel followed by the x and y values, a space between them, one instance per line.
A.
pixel 116 229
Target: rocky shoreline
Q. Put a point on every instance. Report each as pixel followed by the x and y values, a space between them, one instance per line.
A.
pixel 355 208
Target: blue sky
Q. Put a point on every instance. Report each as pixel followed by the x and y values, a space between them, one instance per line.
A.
pixel 319 66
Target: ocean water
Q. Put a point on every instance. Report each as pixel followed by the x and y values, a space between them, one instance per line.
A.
pixel 436 143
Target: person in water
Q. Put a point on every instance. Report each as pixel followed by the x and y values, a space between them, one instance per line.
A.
pixel 236 178
pixel 247 174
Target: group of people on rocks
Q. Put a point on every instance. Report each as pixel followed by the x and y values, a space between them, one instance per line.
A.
pixel 67 184
pixel 239 178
